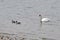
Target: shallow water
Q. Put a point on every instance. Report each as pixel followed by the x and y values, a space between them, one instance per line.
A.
pixel 27 12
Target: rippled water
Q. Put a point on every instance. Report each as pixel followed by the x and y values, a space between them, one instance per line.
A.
pixel 27 12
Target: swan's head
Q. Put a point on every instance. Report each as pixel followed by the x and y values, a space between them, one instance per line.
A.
pixel 39 14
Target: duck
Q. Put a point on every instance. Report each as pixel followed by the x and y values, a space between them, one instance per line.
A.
pixel 18 22
pixel 13 21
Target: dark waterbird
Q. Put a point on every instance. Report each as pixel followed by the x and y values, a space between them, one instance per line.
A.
pixel 18 22
pixel 13 21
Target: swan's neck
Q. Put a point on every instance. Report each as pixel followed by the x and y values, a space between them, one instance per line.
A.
pixel 40 21
pixel 40 18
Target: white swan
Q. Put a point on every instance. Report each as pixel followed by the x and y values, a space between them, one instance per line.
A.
pixel 44 19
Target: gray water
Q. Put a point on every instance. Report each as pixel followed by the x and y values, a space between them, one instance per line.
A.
pixel 27 12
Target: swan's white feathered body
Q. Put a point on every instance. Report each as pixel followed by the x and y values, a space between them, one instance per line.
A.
pixel 45 19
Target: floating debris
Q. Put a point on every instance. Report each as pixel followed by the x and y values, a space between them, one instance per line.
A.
pixel 47 39
pixel 22 38
pixel 2 37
